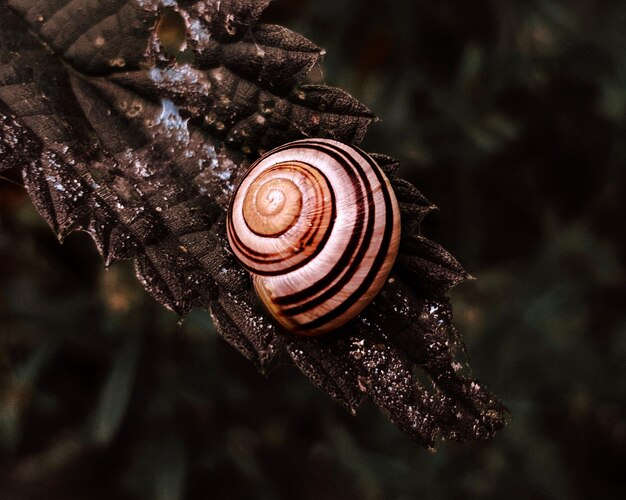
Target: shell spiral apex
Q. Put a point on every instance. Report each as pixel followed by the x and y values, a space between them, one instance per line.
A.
pixel 317 224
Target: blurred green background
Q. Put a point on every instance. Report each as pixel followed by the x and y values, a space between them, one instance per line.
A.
pixel 511 117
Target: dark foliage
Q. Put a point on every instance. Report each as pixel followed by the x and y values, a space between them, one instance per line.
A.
pixel 141 151
pixel 510 117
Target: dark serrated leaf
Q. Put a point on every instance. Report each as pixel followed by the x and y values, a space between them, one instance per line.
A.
pixel 142 149
pixel 388 164
pixel 413 205
pixel 327 363
pixel 425 262
pixel 228 19
pixel 15 139
pixel 272 56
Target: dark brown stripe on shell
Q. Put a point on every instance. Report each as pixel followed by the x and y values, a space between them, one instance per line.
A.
pixel 354 245
pixel 265 258
pixel 319 247
pixel 378 262
pixel 357 253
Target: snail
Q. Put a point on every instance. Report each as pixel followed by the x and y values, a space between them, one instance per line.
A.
pixel 317 225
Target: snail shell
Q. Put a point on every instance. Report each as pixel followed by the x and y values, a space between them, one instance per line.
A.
pixel 317 224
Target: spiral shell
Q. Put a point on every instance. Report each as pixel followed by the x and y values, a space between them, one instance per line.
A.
pixel 317 225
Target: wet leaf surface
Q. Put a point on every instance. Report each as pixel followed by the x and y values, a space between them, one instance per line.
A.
pixel 137 133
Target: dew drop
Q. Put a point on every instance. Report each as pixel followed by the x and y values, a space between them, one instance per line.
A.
pixel 231 29
pixel 117 62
